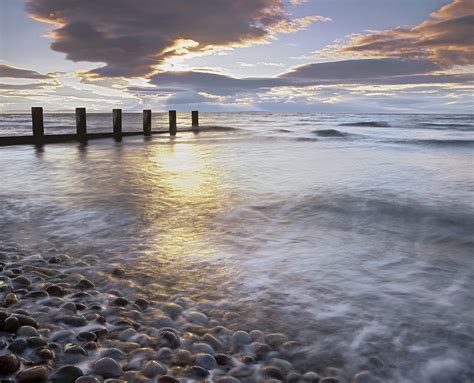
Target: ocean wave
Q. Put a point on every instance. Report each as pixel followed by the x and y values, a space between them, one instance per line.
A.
pixel 216 128
pixel 306 139
pixel 435 142
pixel 329 133
pixel 447 223
pixel 447 125
pixel 369 124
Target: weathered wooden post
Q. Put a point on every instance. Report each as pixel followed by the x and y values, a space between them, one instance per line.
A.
pixel 195 119
pixel 38 124
pixel 173 126
pixel 117 122
pixel 147 122
pixel 81 127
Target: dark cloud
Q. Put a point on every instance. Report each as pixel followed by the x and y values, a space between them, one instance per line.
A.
pixel 347 72
pixel 22 86
pixel 132 37
pixel 9 71
pixel 446 38
pixel 360 69
pixel 212 82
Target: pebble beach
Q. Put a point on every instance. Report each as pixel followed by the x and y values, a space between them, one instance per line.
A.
pixel 58 325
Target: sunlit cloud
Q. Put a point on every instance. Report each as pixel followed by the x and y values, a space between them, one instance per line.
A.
pixel 132 38
pixel 445 38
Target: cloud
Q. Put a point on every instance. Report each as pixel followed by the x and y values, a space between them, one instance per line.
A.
pixel 4 87
pixel 445 38
pixel 132 37
pixel 363 71
pixel 8 71
pixel 212 83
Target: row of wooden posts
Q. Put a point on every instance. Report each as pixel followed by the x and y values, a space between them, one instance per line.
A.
pixel 81 124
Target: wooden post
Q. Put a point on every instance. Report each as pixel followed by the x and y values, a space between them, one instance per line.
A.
pixel 81 127
pixel 117 122
pixel 38 125
pixel 195 119
pixel 147 122
pixel 173 126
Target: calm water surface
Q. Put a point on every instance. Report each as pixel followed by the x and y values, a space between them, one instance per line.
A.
pixel 351 233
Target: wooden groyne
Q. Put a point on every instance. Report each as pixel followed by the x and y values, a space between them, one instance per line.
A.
pixel 40 138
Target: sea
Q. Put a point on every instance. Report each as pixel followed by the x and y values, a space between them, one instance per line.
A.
pixel 351 233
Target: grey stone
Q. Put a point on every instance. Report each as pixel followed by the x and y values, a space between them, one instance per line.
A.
pixel 153 368
pixel 18 345
pixel 183 358
pixel 107 367
pixel 240 339
pixel 170 337
pixel 26 331
pixel 202 347
pixel 206 361
pixel 74 349
pixel 311 377
pixel 197 372
pixel 273 372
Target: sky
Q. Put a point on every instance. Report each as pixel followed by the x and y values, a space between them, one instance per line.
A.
pixel 329 56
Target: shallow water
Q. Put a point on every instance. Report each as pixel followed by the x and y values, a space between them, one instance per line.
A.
pixel 351 233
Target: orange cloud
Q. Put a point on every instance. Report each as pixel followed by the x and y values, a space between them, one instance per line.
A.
pixel 445 38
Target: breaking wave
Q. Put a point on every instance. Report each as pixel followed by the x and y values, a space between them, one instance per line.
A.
pixel 370 124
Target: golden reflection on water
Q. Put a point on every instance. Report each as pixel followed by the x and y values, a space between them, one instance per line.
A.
pixel 181 188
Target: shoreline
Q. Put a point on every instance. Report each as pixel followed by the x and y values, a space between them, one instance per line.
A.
pixel 57 325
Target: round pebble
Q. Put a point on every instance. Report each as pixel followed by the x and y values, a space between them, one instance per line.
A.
pixel 45 353
pixel 87 379
pixel 66 374
pixel 311 377
pixel 33 375
pixel 85 284
pixel 10 299
pixel 329 380
pixel 142 303
pixel 206 361
pixel 273 372
pixel 170 337
pixel 26 331
pixel 197 372
pixel 21 280
pixel 9 363
pixel 107 367
pixel 55 291
pixel 172 309
pixel 240 339
pixel 11 324
pixel 153 368
pixel 167 379
pixel 120 302
pixel 74 349
pixel 18 345
pixel 87 336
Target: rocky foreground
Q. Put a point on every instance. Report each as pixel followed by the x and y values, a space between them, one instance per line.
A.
pixel 58 325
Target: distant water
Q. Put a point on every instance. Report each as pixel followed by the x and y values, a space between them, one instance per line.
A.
pixel 352 233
